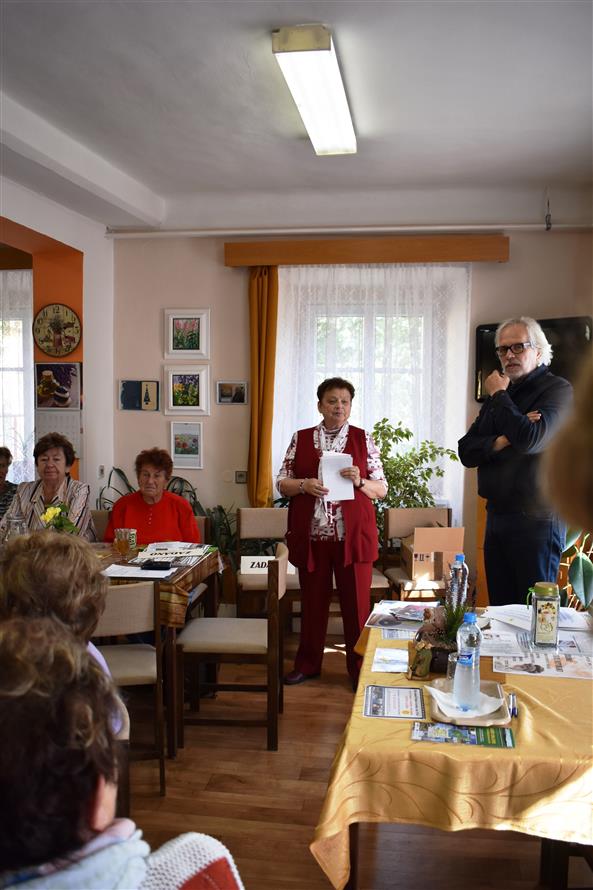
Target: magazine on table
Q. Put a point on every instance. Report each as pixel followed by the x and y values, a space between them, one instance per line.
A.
pixel 400 702
pixel 391 661
pixel 546 664
pixel 489 736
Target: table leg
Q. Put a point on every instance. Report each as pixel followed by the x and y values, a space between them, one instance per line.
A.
pixel 171 690
pixel 553 864
pixel 353 839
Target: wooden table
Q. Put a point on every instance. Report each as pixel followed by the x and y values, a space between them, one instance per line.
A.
pixel 542 787
pixel 174 596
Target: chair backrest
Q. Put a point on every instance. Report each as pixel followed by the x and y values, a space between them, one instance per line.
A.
pixel 277 570
pixel 100 519
pixel 262 522
pixel 203 523
pixel 401 521
pixel 129 608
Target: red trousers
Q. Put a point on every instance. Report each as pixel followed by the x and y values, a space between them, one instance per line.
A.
pixel 353 585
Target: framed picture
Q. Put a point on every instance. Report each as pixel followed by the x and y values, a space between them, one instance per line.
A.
pixel 58 386
pixel 186 445
pixel 187 333
pixel 139 395
pixel 188 389
pixel 231 392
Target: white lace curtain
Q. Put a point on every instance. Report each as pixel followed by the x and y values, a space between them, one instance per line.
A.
pixel 398 333
pixel 17 371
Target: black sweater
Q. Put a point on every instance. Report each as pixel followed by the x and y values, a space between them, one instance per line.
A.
pixel 508 479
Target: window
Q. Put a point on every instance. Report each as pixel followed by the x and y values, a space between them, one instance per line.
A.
pixel 398 333
pixel 16 371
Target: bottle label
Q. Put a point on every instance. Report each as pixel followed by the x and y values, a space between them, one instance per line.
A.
pixel 545 631
pixel 465 658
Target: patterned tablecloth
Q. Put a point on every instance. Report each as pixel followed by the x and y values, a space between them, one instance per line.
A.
pixel 543 787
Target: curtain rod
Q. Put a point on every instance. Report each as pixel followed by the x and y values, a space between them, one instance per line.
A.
pixel 343 230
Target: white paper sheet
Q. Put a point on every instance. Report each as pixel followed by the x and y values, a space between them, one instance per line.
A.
pixel 340 489
pixel 120 571
pixel 519 615
pixel 390 661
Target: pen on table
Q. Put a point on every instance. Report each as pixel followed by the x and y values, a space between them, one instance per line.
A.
pixel 513 704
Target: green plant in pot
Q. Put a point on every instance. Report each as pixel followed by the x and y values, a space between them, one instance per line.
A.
pixel 408 470
pixel 440 627
pixel 577 557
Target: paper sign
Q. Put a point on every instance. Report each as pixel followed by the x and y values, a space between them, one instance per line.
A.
pixel 340 489
pixel 258 565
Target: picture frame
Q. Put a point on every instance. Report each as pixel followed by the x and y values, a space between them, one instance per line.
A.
pixel 187 389
pixel 187 445
pixel 231 392
pixel 139 395
pixel 187 333
pixel 58 386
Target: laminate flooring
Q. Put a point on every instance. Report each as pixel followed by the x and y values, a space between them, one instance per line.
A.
pixel 264 805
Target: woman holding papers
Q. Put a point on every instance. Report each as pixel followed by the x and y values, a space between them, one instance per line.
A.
pixel 332 473
pixel 156 514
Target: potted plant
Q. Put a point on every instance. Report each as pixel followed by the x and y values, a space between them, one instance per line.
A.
pixel 440 627
pixel 576 568
pixel 408 470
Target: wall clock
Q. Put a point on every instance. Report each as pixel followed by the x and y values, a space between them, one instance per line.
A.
pixel 57 329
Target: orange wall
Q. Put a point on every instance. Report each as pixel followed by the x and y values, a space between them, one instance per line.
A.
pixel 57 278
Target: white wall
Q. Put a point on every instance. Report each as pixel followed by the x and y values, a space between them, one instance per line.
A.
pixel 51 219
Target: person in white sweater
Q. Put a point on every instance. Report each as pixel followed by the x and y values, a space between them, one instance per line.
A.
pixel 58 779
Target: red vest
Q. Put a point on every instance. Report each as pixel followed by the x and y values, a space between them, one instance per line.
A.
pixel 360 524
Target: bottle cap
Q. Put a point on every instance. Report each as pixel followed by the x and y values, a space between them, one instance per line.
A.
pixel 470 618
pixel 459 557
pixel 546 588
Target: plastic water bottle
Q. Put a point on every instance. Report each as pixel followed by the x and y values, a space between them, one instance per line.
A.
pixel 466 682
pixel 458 580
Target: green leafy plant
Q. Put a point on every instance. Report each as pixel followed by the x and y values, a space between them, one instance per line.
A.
pixel 577 556
pixel 408 471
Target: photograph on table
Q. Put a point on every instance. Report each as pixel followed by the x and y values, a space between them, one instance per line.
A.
pixel 187 389
pixel 58 386
pixel 139 395
pixel 187 333
pixel 231 392
pixel 186 445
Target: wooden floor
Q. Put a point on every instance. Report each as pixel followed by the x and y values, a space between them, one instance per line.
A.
pixel 264 805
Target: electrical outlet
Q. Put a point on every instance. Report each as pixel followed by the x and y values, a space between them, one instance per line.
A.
pixel 101 471
pixel 241 477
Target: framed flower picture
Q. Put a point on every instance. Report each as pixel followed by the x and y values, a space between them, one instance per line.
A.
pixel 186 445
pixel 187 389
pixel 187 333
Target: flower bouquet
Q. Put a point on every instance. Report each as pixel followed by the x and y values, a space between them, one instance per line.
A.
pixel 57 517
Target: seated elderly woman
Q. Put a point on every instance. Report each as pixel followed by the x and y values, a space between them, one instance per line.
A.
pixel 55 576
pixel 58 779
pixel 156 514
pixel 7 489
pixel 54 457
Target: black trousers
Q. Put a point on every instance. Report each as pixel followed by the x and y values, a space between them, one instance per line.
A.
pixel 518 551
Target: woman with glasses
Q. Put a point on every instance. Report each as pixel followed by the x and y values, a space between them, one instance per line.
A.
pixel 526 402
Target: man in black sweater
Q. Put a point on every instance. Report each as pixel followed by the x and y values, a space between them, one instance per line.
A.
pixel 524 539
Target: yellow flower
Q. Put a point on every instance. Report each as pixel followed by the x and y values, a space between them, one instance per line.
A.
pixel 50 514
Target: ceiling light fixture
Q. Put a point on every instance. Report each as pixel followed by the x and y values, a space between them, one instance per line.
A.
pixel 309 64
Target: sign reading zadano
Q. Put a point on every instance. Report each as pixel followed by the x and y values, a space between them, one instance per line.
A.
pixel 258 565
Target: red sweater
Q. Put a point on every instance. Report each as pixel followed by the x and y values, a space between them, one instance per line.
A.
pixel 172 519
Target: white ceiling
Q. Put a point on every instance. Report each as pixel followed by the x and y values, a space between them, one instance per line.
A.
pixel 173 113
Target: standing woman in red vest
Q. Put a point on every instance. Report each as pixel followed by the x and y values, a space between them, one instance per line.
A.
pixel 331 537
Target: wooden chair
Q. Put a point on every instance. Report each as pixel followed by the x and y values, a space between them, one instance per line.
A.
pixel 100 519
pixel 399 522
pixel 237 641
pixel 123 763
pixel 129 609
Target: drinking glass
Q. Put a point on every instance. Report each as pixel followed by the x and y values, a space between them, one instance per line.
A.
pixel 123 541
pixel 451 665
pixel 15 527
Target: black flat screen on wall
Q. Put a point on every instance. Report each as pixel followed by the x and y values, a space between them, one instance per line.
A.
pixel 570 339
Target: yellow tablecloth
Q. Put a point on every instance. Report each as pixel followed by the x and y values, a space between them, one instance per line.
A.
pixel 543 787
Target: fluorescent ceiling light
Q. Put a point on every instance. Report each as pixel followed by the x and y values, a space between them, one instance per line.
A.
pixel 309 64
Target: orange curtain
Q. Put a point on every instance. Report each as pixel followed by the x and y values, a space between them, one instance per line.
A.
pixel 263 321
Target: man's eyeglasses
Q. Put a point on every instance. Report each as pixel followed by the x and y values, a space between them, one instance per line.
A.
pixel 516 348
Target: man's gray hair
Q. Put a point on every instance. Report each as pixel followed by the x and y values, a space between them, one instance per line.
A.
pixel 535 335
